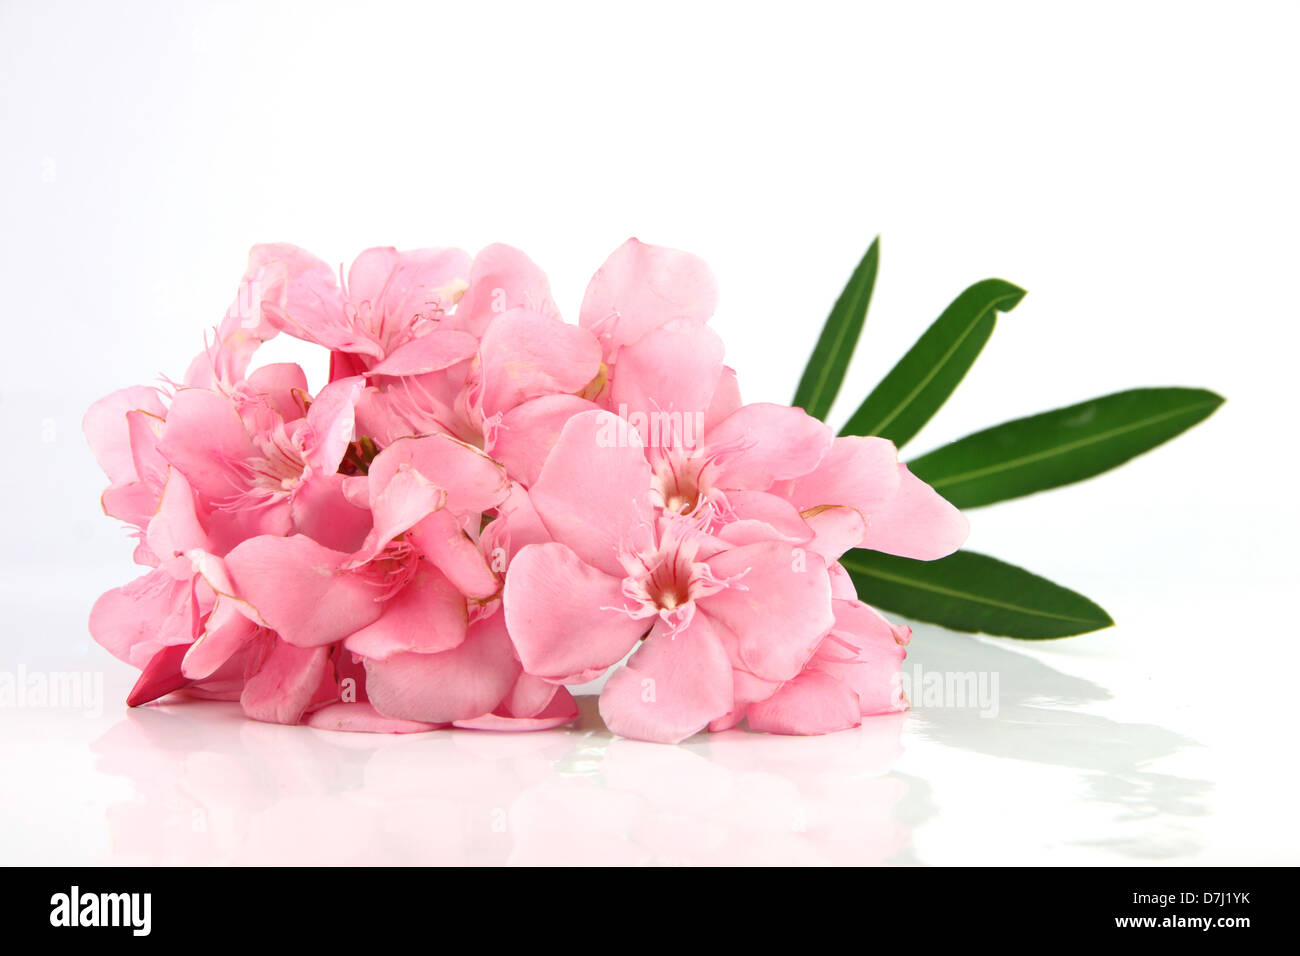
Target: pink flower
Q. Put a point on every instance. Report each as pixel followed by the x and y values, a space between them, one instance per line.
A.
pixel 386 318
pixel 260 464
pixel 399 602
pixel 614 574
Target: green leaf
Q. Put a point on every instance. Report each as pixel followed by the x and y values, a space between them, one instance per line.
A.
pixel 923 379
pixel 1062 446
pixel 973 592
pixel 830 358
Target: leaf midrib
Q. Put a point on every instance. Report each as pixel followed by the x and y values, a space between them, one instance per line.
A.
pixel 1062 449
pixel 991 602
pixel 840 333
pixel 938 366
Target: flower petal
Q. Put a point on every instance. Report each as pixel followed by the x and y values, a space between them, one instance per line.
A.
pixel 861 473
pixel 431 352
pixel 285 683
pixel 300 589
pixel 917 522
pixel 525 354
pixel 812 703
pixel 203 438
pixel 560 710
pixel 762 443
pixel 106 432
pixel 528 432
pixel 465 682
pixel 427 616
pixel 502 278
pixel 670 370
pixel 442 539
pixel 594 487
pixel 779 609
pixel 564 615
pixel 641 287
pixel 671 687
pixel 472 480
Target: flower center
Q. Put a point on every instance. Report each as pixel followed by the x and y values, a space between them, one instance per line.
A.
pixel 675 484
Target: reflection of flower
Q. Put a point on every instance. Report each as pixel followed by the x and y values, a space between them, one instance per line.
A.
pixel 485 504
pixel 212 789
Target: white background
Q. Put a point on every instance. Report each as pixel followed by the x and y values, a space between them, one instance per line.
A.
pixel 1132 165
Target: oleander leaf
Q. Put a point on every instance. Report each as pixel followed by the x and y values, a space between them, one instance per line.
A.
pixel 830 358
pixel 967 591
pixel 1062 446
pixel 921 382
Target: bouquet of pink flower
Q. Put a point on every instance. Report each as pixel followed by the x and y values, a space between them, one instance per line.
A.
pixel 485 504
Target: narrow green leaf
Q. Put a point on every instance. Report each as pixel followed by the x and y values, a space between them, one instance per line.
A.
pixel 830 358
pixel 1062 446
pixel 923 379
pixel 973 592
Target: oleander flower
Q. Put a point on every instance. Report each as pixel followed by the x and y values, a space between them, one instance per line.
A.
pixel 486 503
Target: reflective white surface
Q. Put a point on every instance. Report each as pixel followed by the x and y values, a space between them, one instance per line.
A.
pixel 1061 773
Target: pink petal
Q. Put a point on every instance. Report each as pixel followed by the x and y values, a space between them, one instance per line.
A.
pixel 161 676
pixel 502 278
pixel 564 616
pixel 175 529
pixel 226 632
pixel 528 432
pixel 916 522
pixel 106 432
pixel 331 421
pixel 779 610
pixel 280 385
pixel 594 487
pixel 203 438
pixel 472 480
pixel 441 538
pixel 671 369
pixel 302 298
pixel 869 659
pixel 641 287
pixel 861 473
pixel 671 687
pixel 134 622
pixel 431 352
pixel 812 703
pixel 285 683
pixel 529 697
pixel 426 616
pixel 836 530
pixel 360 717
pixel 402 285
pixel 459 684
pixel 321 510
pixel 758 516
pixel 525 354
pixel 560 710
pixel 300 589
pixel 763 443
pixel 726 398
pixel 398 505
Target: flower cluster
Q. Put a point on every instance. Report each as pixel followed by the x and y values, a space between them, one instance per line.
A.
pixel 485 504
